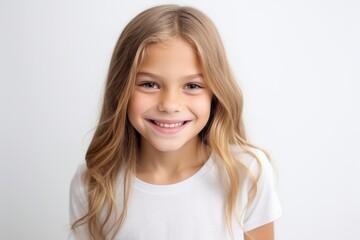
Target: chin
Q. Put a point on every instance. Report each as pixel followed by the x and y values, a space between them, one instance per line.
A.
pixel 163 147
pixel 167 149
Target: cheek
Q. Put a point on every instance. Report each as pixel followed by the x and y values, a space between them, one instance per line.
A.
pixel 139 105
pixel 202 107
pixel 134 107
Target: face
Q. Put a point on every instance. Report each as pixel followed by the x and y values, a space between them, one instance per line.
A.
pixel 171 102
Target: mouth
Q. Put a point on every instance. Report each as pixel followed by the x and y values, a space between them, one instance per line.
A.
pixel 167 124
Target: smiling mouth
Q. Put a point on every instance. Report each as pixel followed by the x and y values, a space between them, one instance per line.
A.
pixel 168 125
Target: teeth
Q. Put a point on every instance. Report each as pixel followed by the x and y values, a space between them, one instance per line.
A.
pixel 169 125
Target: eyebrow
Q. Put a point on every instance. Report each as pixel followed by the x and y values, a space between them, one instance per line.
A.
pixel 154 76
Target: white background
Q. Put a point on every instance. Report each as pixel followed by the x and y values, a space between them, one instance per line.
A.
pixel 296 60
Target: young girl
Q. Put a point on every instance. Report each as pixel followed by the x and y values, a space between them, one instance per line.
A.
pixel 169 158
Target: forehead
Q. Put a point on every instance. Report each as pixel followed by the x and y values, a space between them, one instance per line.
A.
pixel 173 56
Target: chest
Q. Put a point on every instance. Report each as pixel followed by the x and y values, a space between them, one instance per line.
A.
pixel 196 213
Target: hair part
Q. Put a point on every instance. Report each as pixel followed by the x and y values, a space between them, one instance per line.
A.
pixel 115 143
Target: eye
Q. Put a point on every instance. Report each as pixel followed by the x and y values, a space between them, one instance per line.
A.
pixel 192 86
pixel 151 85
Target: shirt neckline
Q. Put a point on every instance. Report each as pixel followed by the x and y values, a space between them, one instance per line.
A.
pixel 175 187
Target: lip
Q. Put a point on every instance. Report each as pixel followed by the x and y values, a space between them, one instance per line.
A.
pixel 168 126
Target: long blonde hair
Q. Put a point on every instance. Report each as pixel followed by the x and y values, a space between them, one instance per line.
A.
pixel 114 147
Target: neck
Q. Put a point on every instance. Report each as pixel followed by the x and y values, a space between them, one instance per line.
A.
pixel 167 167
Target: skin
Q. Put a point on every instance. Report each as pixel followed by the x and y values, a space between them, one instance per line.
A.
pixel 265 232
pixel 170 105
pixel 169 91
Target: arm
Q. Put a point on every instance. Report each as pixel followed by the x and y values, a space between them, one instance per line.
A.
pixel 265 232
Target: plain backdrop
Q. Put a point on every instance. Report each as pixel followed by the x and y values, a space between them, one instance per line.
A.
pixel 297 62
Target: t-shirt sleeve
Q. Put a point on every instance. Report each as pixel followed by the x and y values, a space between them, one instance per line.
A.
pixel 78 204
pixel 266 207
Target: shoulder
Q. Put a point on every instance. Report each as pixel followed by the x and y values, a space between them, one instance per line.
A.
pixel 78 204
pixel 265 206
pixel 256 167
pixel 78 196
pixel 77 182
pixel 253 159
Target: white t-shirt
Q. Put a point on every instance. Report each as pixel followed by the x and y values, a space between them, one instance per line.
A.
pixel 191 209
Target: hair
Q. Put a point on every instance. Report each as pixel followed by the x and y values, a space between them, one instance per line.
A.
pixel 115 143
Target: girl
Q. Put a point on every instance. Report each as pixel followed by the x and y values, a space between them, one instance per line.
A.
pixel 169 158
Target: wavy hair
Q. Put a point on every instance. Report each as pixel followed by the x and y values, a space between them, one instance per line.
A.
pixel 114 146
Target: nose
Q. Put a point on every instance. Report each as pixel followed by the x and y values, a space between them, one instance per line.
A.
pixel 170 101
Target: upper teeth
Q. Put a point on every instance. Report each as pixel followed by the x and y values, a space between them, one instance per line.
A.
pixel 169 125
